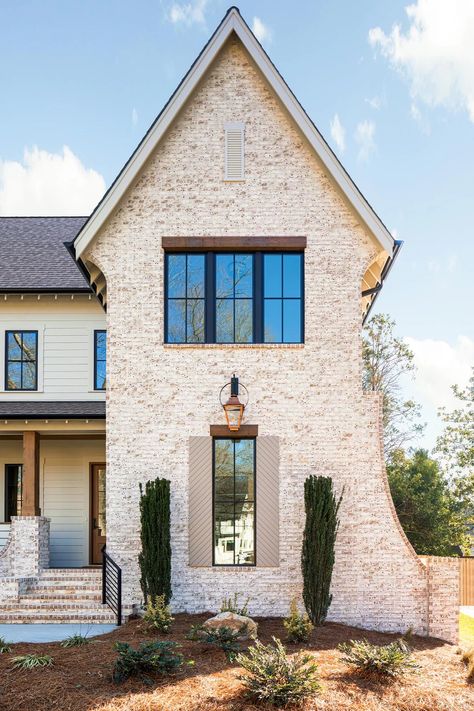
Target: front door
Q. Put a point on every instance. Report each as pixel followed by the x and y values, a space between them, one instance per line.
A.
pixel 98 521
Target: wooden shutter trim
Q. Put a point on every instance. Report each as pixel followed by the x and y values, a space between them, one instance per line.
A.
pixel 200 501
pixel 268 502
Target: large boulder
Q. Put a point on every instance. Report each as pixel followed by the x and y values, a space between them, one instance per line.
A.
pixel 245 626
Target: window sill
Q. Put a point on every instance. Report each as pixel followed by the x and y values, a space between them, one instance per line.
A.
pixel 254 346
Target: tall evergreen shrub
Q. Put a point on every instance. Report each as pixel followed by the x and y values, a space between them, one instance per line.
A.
pixel 155 556
pixel 317 557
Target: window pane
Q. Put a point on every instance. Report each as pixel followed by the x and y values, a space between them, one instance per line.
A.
pixel 177 321
pixel 195 276
pixel 14 346
pixel 243 275
pixel 29 376
pixel 14 376
pixel 244 468
pixel 177 275
pixel 100 345
pixel 272 275
pixel 225 321
pixel 272 321
pixel 195 316
pixel 29 346
pixel 243 321
pixel 244 535
pixel 292 320
pixel 224 469
pixel 224 275
pixel 292 275
pixel 100 375
pixel 224 534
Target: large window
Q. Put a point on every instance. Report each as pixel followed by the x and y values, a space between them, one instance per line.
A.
pixel 234 502
pixel 234 298
pixel 13 482
pixel 100 359
pixel 21 360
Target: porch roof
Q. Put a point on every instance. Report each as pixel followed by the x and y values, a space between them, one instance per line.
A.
pixel 51 410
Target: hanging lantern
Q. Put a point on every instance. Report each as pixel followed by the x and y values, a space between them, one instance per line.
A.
pixel 233 408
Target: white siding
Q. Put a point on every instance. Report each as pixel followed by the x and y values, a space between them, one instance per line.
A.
pixel 4 533
pixel 65 344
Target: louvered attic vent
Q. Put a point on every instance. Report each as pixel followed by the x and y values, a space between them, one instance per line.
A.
pixel 234 151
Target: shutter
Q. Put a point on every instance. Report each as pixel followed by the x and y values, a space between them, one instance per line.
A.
pixel 234 151
pixel 268 508
pixel 200 501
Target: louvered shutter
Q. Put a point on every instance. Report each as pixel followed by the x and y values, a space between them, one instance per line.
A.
pixel 268 506
pixel 234 151
pixel 200 501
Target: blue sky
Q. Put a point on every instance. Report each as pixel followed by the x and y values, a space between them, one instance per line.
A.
pixel 93 75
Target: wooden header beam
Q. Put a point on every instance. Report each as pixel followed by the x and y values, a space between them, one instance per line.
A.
pixel 234 244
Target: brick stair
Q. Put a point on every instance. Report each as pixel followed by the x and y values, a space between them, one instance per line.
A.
pixel 61 595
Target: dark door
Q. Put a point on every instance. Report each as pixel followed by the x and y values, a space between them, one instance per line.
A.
pixel 98 521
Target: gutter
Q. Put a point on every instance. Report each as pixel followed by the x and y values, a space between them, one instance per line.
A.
pixel 374 292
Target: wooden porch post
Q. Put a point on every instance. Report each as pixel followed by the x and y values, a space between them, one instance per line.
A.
pixel 30 494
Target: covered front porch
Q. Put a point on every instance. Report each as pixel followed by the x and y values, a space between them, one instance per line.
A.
pixel 56 469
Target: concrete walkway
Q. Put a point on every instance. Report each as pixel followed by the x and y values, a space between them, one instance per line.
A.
pixel 50 632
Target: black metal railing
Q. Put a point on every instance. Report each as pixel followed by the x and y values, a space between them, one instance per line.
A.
pixel 112 585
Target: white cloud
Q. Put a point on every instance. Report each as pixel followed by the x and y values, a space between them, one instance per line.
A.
pixel 134 116
pixel 439 366
pixel 48 184
pixel 188 14
pixel 261 31
pixel 435 53
pixel 338 133
pixel 375 102
pixel 364 136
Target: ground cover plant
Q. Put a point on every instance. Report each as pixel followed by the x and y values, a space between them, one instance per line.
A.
pixel 222 637
pixel 4 646
pixel 384 660
pixel 81 678
pixel 231 604
pixel 160 657
pixel 32 661
pixel 275 677
pixel 74 640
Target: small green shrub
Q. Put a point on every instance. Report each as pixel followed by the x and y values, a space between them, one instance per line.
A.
pixel 275 678
pixel 223 637
pixel 158 615
pixel 468 659
pixel 298 627
pixel 32 661
pixel 75 640
pixel 4 646
pixel 230 604
pixel 387 660
pixel 158 657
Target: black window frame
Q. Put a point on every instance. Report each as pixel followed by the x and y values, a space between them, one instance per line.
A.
pixel 8 515
pixel 258 298
pixel 22 360
pixel 234 565
pixel 99 360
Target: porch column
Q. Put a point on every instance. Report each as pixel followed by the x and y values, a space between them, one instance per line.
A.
pixel 30 485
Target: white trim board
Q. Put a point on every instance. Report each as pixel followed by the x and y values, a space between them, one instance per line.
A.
pixel 232 22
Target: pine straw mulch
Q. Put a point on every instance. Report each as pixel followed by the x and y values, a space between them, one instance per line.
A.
pixel 80 679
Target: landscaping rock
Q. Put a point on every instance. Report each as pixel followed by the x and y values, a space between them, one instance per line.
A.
pixel 245 626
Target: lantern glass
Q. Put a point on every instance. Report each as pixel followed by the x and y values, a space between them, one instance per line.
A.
pixel 233 414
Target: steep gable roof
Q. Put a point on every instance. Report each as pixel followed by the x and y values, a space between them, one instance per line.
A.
pixel 34 256
pixel 233 22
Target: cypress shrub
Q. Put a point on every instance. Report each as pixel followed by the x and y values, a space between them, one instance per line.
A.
pixel 317 557
pixel 155 556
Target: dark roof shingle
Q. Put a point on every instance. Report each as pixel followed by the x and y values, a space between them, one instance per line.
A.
pixel 63 410
pixel 33 256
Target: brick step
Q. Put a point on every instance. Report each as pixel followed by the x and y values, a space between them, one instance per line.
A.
pixel 71 575
pixel 27 603
pixel 66 594
pixel 22 617
pixel 63 586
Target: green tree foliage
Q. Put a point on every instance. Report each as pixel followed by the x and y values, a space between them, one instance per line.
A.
pixel 430 512
pixel 155 556
pixel 385 359
pixel 456 444
pixel 317 557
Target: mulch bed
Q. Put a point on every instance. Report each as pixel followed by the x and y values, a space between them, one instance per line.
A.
pixel 80 679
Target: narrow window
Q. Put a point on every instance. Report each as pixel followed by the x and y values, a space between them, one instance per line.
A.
pixel 100 359
pixel 234 501
pixel 185 298
pixel 282 298
pixel 234 298
pixel 13 486
pixel 234 151
pixel 21 360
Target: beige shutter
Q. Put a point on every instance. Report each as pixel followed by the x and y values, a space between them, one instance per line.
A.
pixel 234 151
pixel 268 508
pixel 200 501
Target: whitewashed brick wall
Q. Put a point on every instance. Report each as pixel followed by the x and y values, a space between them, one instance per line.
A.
pixel 310 396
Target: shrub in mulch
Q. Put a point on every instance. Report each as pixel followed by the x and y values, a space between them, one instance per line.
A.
pixel 386 660
pixel 32 661
pixel 222 637
pixel 468 659
pixel 298 627
pixel 4 646
pixel 158 657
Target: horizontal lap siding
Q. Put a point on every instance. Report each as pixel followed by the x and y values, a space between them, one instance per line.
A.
pixel 4 534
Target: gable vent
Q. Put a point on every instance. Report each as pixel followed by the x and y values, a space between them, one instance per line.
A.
pixel 234 151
